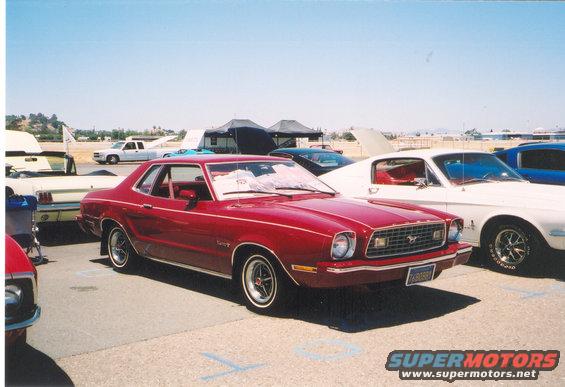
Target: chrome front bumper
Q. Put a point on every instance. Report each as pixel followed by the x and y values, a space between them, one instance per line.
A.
pixel 26 323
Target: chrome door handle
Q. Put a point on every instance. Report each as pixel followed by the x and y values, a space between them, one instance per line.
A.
pixel 148 206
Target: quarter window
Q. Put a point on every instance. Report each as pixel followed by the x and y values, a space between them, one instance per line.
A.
pixel 402 172
pixel 146 183
pixel 549 159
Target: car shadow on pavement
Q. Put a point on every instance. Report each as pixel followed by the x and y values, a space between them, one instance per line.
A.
pixel 356 309
pixel 551 265
pixel 30 367
pixel 60 234
pixel 186 279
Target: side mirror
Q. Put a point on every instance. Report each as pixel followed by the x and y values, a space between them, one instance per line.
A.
pixel 420 182
pixel 190 196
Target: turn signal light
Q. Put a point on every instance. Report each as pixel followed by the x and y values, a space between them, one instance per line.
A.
pixel 44 198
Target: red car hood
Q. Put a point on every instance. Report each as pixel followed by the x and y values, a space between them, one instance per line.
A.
pixel 361 212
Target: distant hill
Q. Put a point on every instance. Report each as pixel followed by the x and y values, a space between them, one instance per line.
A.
pixel 35 123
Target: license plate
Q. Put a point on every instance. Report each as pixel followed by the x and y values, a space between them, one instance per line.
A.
pixel 420 274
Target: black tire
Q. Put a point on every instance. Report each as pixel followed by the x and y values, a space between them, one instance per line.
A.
pixel 264 287
pixel 511 248
pixel 122 255
pixel 14 351
pixel 112 159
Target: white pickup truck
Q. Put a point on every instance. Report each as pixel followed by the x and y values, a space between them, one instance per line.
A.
pixel 133 151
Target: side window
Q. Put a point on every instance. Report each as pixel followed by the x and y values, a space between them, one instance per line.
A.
pixel 176 178
pixel 144 186
pixel 548 159
pixel 402 172
pixel 140 145
pixel 213 140
pixel 129 146
pixel 503 157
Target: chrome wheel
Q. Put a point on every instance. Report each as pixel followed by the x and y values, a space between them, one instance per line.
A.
pixel 118 247
pixel 511 246
pixel 259 281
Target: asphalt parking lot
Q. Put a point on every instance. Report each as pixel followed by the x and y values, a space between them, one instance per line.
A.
pixel 167 326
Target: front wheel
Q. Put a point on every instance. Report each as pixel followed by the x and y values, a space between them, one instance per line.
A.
pixel 112 159
pixel 264 287
pixel 122 254
pixel 511 248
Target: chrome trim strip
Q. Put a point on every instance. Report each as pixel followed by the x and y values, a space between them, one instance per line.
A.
pixel 403 225
pixel 269 250
pixel 193 268
pixel 58 207
pixel 24 324
pixel 23 274
pixel 557 233
pixel 337 270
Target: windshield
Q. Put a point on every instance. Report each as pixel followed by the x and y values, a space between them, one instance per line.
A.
pixel 327 159
pixel 117 145
pixel 260 178
pixel 37 163
pixel 463 168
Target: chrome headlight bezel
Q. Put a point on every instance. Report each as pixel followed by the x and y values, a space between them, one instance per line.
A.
pixel 350 240
pixel 455 230
pixel 13 298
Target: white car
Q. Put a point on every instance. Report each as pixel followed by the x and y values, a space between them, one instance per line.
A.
pixel 49 176
pixel 511 219
pixel 133 151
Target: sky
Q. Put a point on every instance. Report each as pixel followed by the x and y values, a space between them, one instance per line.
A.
pixel 397 66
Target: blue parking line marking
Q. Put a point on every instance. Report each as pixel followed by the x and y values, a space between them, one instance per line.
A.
pixel 348 350
pixel 526 293
pixel 107 272
pixel 234 367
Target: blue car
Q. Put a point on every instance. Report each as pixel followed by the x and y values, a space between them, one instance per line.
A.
pixel 190 152
pixel 539 163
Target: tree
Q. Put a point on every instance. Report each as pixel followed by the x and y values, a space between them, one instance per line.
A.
pixel 347 136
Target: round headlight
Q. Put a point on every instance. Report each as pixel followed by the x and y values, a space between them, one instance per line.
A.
pixel 13 298
pixel 343 245
pixel 455 230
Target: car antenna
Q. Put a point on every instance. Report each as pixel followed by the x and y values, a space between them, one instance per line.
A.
pixel 237 164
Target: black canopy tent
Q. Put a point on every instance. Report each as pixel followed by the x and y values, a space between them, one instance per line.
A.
pixel 292 129
pixel 250 137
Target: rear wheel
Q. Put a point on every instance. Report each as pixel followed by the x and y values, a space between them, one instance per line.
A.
pixel 122 254
pixel 264 287
pixel 511 247
pixel 112 159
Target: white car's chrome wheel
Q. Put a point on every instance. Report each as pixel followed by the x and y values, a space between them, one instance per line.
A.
pixel 510 246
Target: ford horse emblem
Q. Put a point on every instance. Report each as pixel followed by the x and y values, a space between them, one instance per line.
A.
pixel 411 239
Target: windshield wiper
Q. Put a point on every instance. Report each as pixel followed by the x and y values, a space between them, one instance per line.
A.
pixel 258 191
pixel 475 180
pixel 306 189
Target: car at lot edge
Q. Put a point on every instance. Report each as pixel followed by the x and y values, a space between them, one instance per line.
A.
pixel 317 161
pixel 509 218
pixel 21 308
pixel 49 176
pixel 327 147
pixel 269 225
pixel 542 163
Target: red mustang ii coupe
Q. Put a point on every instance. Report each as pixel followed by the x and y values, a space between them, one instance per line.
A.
pixel 268 224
